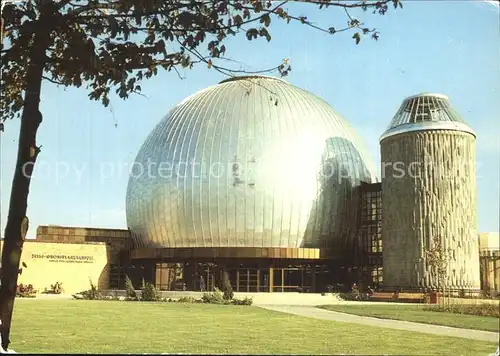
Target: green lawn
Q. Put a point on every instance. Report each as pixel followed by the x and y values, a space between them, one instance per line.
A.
pixel 415 313
pixel 48 326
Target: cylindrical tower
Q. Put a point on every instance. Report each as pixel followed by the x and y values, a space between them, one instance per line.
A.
pixel 429 197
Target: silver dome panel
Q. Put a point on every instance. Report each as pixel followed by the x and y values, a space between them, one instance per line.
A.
pixel 252 162
pixel 426 111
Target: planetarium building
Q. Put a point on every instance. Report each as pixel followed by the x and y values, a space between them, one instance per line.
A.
pixel 260 183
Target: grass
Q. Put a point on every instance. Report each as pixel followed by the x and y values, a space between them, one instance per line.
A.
pixel 76 326
pixel 417 314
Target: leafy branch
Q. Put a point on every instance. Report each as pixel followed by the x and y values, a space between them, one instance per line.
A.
pixel 115 44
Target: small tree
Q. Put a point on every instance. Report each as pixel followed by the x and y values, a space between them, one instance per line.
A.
pixel 149 293
pixel 130 290
pixel 436 257
pixel 227 288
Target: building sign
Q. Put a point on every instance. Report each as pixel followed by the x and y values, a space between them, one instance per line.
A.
pixel 64 258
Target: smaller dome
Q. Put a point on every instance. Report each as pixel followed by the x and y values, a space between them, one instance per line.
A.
pixel 426 111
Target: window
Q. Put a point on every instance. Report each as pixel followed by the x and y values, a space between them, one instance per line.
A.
pixel 377 278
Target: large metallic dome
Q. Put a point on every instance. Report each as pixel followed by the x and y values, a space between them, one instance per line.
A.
pixel 250 162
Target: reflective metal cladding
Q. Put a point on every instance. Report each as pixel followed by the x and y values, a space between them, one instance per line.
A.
pixel 250 162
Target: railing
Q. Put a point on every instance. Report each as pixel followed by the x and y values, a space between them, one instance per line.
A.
pixel 452 292
pixel 280 289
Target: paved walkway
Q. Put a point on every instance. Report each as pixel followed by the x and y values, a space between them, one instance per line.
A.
pixel 317 313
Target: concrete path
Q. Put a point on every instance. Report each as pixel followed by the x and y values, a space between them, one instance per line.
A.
pixel 312 312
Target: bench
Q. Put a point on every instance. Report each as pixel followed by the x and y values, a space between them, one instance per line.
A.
pixel 411 297
pixel 382 296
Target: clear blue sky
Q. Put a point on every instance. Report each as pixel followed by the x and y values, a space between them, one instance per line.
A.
pixel 451 47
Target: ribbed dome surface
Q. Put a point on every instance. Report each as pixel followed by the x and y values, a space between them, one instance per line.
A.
pixel 426 112
pixel 252 162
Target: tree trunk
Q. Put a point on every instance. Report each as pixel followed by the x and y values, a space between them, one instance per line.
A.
pixel 17 221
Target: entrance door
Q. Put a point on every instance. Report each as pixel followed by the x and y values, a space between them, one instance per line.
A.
pixel 208 274
pixel 278 280
pixel 264 280
pixel 247 279
pixel 253 280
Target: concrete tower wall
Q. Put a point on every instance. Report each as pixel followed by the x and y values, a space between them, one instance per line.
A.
pixel 428 191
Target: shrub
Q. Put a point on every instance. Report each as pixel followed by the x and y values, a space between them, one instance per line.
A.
pixel 130 290
pixel 170 300
pixel 188 300
pixel 348 296
pixel 354 296
pixel 91 294
pixel 228 294
pixel 115 296
pixel 54 289
pixel 355 292
pixel 216 297
pixel 244 301
pixel 149 293
pixel 483 309
pixel 25 291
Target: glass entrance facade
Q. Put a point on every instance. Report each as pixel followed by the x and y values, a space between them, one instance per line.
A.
pixel 249 278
